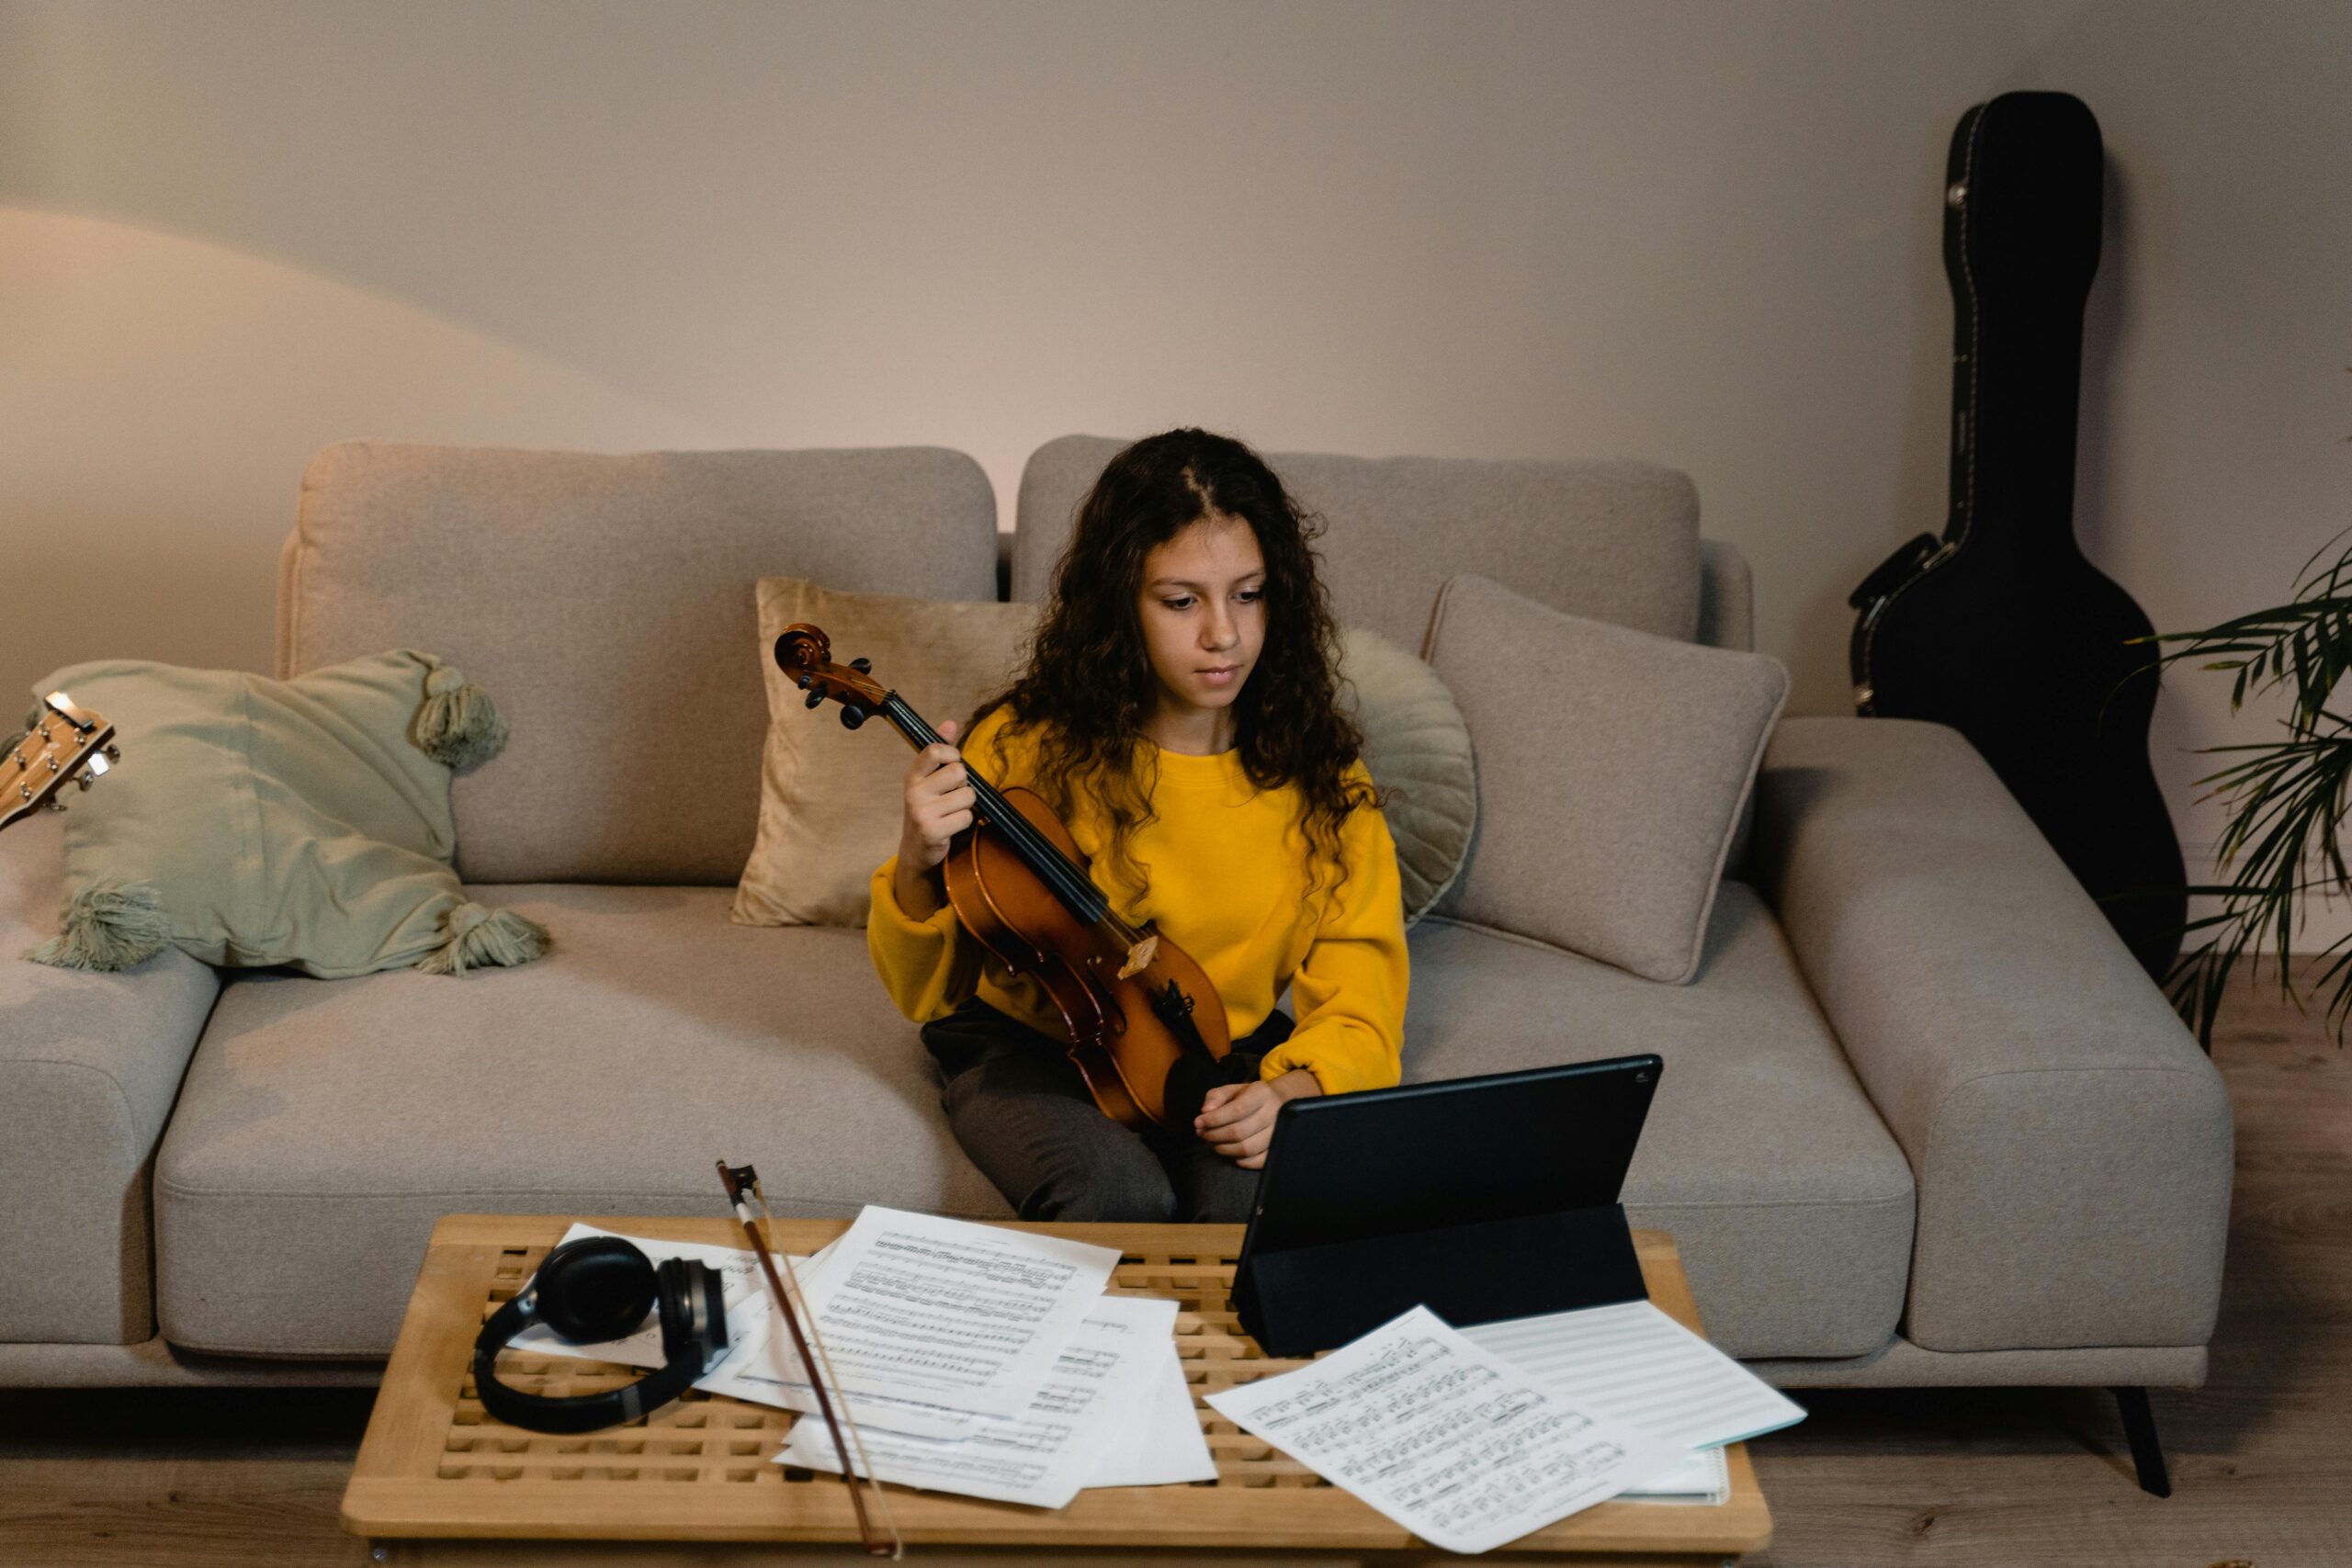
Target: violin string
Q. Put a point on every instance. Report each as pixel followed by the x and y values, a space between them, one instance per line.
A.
pixel 1076 889
pixel 1064 875
pixel 1045 856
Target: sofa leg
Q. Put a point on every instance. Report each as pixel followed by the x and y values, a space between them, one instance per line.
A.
pixel 2139 1427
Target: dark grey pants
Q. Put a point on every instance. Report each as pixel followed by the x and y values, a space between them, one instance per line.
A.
pixel 1022 1113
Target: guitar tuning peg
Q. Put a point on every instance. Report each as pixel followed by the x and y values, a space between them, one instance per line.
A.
pixel 852 718
pixel 55 805
pixel 114 753
pixel 862 666
pixel 87 780
pixel 814 698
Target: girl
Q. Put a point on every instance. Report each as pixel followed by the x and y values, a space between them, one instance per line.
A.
pixel 1177 713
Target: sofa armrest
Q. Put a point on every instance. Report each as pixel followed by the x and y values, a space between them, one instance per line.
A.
pixel 89 1066
pixel 2071 1145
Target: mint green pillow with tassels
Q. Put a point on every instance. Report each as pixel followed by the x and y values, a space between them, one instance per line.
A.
pixel 301 822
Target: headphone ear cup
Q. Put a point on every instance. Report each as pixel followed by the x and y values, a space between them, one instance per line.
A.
pixel 694 1310
pixel 595 1289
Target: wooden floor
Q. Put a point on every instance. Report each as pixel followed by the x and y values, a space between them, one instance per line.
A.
pixel 2261 1457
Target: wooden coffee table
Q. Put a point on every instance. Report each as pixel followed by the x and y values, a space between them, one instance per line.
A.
pixel 439 1480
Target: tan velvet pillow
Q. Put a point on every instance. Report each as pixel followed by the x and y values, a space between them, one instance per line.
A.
pixel 831 798
pixel 1613 765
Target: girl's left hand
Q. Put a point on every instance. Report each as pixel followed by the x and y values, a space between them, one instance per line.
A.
pixel 1237 1120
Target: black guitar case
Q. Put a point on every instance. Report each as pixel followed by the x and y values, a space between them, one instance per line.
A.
pixel 2002 628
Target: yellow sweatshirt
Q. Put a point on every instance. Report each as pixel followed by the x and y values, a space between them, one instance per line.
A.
pixel 1228 870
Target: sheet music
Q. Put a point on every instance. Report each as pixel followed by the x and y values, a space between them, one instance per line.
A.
pixel 948 1314
pixel 1160 1444
pixel 758 1374
pixel 1043 1455
pixel 1633 1362
pixel 1455 1444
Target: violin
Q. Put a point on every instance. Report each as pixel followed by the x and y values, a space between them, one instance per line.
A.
pixel 1136 1004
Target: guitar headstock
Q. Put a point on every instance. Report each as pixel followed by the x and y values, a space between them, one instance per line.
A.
pixel 805 653
pixel 65 744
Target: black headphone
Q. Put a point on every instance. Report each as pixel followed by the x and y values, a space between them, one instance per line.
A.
pixel 599 1288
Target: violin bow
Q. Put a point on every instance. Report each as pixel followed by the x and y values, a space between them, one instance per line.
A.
pixel 742 1184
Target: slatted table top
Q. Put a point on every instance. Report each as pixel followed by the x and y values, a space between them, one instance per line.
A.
pixel 434 1464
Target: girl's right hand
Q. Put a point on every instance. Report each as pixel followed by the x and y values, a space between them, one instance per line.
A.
pixel 939 804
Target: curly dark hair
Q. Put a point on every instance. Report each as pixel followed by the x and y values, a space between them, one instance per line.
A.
pixel 1089 684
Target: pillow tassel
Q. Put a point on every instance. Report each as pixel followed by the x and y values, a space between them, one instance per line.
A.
pixel 107 925
pixel 458 726
pixel 477 937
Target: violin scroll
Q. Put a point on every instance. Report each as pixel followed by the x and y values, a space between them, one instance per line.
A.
pixel 805 652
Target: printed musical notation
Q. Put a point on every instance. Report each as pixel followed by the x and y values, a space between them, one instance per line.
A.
pixel 929 1320
pixel 1045 1455
pixel 1115 1410
pixel 1454 1444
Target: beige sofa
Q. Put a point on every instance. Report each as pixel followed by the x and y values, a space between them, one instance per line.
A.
pixel 1923 1119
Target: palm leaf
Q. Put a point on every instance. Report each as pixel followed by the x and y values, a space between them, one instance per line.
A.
pixel 2283 836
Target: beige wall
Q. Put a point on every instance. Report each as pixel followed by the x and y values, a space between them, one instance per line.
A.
pixel 1701 233
pixel 2216 401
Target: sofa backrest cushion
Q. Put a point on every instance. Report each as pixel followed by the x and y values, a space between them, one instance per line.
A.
pixel 1727 597
pixel 608 602
pixel 1615 541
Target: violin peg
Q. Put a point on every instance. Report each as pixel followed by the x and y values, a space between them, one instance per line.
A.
pixel 803 681
pixel 862 666
pixel 852 718
pixel 814 698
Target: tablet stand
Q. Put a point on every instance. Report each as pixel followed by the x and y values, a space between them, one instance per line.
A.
pixel 1295 1301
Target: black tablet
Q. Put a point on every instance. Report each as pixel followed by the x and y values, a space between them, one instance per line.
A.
pixel 1485 1198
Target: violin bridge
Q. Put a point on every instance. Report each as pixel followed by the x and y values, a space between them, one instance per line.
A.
pixel 1140 955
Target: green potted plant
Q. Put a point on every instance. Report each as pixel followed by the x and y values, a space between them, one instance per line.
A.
pixel 2285 798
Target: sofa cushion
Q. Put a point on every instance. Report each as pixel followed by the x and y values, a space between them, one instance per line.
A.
pixel 1787 1197
pixel 325 1125
pixel 607 600
pixel 1618 541
pixel 1613 767
pixel 88 1067
pixel 2074 1148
